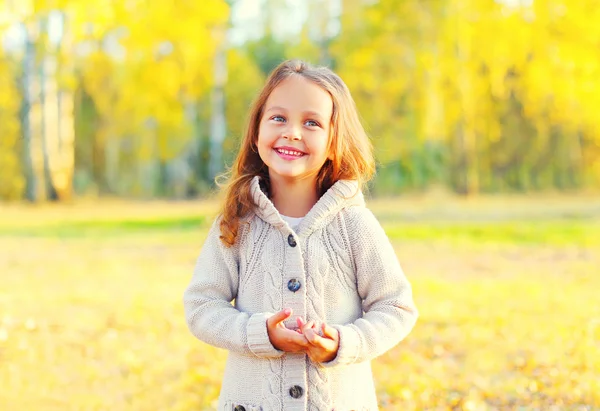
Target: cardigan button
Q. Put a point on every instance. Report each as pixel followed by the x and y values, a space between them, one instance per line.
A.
pixel 291 241
pixel 296 391
pixel 239 408
pixel 294 285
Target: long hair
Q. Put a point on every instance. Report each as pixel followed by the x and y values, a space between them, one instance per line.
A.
pixel 350 149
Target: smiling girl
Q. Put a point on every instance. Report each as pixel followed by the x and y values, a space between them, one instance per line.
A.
pixel 316 287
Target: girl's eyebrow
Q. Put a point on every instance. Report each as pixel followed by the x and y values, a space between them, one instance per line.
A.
pixel 275 108
pixel 313 114
pixel 308 112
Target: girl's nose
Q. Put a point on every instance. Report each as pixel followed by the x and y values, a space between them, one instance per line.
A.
pixel 291 135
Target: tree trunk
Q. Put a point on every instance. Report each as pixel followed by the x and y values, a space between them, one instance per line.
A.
pixel 111 163
pixel 218 120
pixel 31 182
pixel 46 90
pixel 63 167
pixel 467 90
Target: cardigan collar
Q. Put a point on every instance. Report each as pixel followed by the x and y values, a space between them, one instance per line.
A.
pixel 343 194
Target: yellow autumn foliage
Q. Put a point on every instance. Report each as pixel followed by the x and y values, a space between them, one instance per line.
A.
pixel 475 95
pixel 11 178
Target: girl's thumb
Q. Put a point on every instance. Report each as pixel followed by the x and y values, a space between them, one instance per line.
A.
pixel 281 315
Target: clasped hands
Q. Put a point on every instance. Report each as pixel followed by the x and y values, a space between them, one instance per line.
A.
pixel 307 338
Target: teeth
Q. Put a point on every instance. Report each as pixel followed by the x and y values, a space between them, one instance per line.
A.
pixel 290 153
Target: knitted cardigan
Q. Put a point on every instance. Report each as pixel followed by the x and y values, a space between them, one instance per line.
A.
pixel 349 278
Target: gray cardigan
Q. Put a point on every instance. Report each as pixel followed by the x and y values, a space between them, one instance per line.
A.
pixel 349 277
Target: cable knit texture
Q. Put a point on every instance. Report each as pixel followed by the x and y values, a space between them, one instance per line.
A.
pixel 349 278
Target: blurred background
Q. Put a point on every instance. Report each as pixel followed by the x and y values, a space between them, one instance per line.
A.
pixel 116 116
pixel 148 99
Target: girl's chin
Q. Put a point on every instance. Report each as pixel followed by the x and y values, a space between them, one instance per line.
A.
pixel 288 175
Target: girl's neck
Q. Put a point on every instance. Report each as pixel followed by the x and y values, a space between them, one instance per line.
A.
pixel 294 198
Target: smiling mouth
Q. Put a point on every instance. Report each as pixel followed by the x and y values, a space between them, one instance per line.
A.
pixel 288 152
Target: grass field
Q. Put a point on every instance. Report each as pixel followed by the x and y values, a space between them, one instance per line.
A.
pixel 508 289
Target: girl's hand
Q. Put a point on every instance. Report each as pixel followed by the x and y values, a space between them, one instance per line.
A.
pixel 282 337
pixel 323 343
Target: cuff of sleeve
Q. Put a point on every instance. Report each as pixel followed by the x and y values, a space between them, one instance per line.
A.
pixel 258 337
pixel 348 349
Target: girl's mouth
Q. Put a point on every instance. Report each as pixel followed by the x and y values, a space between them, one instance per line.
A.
pixel 289 154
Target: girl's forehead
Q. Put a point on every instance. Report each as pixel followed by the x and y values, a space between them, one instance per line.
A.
pixel 299 93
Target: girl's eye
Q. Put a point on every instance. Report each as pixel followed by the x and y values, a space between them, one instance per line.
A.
pixel 278 119
pixel 312 123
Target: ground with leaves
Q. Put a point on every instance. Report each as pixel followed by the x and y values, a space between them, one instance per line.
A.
pixel 91 315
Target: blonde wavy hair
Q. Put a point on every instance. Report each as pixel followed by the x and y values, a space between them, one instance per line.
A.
pixel 349 146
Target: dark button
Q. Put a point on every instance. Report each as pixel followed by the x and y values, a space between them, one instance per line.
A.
pixel 294 285
pixel 291 241
pixel 239 408
pixel 296 391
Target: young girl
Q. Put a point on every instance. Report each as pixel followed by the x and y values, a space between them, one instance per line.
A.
pixel 316 287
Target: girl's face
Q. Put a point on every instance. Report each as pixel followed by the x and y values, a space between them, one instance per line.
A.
pixel 294 131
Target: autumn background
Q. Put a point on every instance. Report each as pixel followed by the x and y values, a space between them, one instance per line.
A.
pixel 116 116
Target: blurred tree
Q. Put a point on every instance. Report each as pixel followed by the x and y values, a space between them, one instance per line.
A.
pixel 146 86
pixel 30 168
pixel 480 94
pixel 313 43
pixel 266 52
pixel 218 122
pixel 12 182
pixel 45 119
pixel 244 82
pixel 377 57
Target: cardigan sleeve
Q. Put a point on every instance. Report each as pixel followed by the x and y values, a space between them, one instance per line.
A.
pixel 389 312
pixel 207 301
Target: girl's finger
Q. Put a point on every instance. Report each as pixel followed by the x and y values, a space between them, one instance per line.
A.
pixel 329 332
pixel 279 317
pixel 307 326
pixel 315 339
pixel 296 338
pixel 318 341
